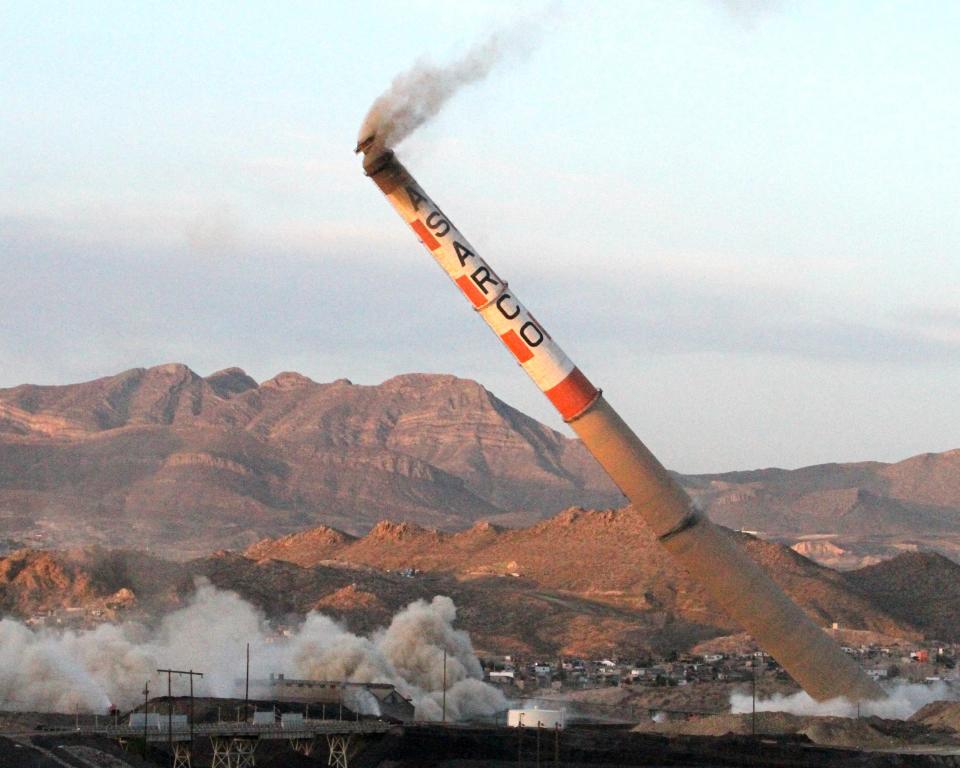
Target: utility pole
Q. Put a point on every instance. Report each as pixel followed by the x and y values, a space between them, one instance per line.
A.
pixel 169 710
pixel 520 740
pixel 246 688
pixel 171 672
pixel 444 686
pixel 146 705
pixel 191 709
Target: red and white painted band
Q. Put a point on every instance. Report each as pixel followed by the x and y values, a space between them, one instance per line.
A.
pixel 543 360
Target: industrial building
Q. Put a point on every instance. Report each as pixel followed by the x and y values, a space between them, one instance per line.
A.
pixel 332 694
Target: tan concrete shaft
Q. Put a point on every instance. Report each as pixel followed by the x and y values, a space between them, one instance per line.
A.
pixel 736 583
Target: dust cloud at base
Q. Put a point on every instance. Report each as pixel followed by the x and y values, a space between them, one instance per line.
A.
pixel 90 670
pixel 903 700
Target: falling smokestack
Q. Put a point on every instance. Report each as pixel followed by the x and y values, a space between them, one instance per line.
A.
pixel 736 583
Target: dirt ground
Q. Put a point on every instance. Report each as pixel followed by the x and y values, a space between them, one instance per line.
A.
pixel 681 739
pixel 703 710
pixel 867 733
pixel 636 703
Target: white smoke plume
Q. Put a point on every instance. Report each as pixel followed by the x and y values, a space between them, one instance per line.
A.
pixel 903 700
pixel 417 95
pixel 58 671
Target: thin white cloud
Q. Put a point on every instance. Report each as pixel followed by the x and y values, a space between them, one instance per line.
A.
pixel 750 12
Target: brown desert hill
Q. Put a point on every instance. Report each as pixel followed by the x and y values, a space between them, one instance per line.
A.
pixel 166 459
pixel 871 511
pixel 313 546
pixel 609 557
pixel 916 495
pixel 32 581
pixel 539 590
pixel 930 478
pixel 920 587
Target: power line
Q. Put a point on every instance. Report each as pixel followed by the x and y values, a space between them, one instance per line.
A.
pixel 169 673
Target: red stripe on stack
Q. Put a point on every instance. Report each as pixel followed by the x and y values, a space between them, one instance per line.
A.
pixel 572 395
pixel 425 235
pixel 470 289
pixel 515 344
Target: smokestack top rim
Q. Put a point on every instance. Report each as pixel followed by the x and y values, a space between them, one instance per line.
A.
pixel 364 144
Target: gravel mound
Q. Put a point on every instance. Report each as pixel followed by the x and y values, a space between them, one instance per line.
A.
pixel 866 733
pixel 942 715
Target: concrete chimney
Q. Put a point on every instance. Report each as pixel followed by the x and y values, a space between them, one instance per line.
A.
pixel 736 583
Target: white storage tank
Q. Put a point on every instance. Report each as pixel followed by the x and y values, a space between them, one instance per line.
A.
pixel 533 717
pixel 175 723
pixel 267 717
pixel 139 720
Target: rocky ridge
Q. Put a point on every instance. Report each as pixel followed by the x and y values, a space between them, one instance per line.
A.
pixel 519 591
pixel 180 463
pixel 165 459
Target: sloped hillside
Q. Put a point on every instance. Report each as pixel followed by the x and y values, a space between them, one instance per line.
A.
pixel 920 587
pixel 916 496
pixel 609 557
pixel 166 459
pixel 535 591
pixel 867 511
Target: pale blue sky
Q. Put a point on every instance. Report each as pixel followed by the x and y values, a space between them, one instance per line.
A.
pixel 739 218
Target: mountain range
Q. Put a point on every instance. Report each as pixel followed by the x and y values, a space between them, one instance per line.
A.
pixel 165 460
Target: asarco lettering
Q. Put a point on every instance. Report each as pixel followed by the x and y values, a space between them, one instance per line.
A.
pixel 482 278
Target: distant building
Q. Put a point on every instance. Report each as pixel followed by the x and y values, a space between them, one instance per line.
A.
pixel 328 693
pixel 536 718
